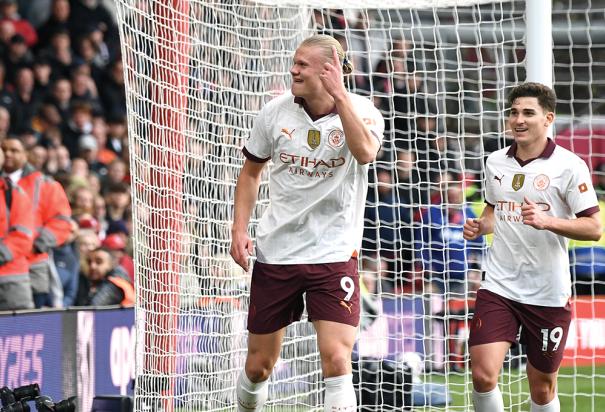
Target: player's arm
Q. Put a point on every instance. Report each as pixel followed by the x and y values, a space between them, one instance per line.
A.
pixel 246 192
pixel 484 225
pixel 582 228
pixel 361 142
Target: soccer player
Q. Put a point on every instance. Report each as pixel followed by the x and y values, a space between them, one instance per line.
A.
pixel 320 139
pixel 538 195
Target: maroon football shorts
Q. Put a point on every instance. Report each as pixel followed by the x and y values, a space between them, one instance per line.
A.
pixel 543 328
pixel 276 294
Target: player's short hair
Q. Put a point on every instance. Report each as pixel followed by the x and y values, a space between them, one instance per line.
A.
pixel 547 99
pixel 326 42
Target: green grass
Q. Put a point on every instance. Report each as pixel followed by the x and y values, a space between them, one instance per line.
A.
pixel 581 389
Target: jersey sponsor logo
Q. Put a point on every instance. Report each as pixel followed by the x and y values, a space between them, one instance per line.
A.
pixel 287 132
pixel 305 161
pixel 313 138
pixel 518 181
pixel 541 182
pixel 336 138
pixel 499 179
pixel 583 187
pixel 510 211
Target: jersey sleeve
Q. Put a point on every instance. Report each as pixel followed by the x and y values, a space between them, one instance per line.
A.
pixel 259 146
pixel 373 119
pixel 490 195
pixel 580 195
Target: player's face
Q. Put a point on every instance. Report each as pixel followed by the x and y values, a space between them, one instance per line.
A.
pixel 306 67
pixel 528 121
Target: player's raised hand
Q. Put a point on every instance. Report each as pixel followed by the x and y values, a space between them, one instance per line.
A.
pixel 241 249
pixel 533 215
pixel 472 229
pixel 331 76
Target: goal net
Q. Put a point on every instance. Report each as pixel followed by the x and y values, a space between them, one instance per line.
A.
pixel 197 72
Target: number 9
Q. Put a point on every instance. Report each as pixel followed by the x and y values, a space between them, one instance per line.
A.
pixel 347 284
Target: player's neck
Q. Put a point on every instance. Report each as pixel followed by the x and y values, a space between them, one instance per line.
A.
pixel 319 106
pixel 531 150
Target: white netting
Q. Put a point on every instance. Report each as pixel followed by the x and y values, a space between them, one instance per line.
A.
pixel 197 73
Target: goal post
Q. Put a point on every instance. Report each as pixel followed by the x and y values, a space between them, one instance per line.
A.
pixel 197 72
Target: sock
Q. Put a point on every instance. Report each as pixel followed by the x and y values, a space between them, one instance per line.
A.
pixel 251 396
pixel 340 394
pixel 488 401
pixel 552 406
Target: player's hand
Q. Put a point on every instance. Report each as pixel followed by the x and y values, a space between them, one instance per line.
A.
pixel 241 249
pixel 332 78
pixel 472 229
pixel 533 215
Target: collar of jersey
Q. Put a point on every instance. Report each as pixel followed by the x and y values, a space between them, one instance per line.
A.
pixel 546 153
pixel 303 104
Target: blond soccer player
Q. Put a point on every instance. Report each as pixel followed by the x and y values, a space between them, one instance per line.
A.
pixel 320 139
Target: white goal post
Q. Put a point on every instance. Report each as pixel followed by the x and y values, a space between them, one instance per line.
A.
pixel 197 72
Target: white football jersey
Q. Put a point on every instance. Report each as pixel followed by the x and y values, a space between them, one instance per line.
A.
pixel 317 188
pixel 525 264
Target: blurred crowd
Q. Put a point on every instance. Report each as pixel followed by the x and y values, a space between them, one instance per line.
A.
pixel 63 135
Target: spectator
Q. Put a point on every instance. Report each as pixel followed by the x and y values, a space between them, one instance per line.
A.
pixel 83 201
pixel 113 92
pixel 106 283
pixel 59 53
pixel 6 97
pixel 117 173
pixel 441 246
pixel 16 55
pixel 84 90
pixel 25 104
pixel 117 245
pixel 79 125
pixel 117 134
pixel 42 81
pixel 61 98
pixel 58 21
pixel 37 157
pixel 16 228
pixel 91 13
pixel 9 12
pixel 386 231
pixel 99 131
pixel 50 210
pixel 68 266
pixel 118 202
pixel 5 119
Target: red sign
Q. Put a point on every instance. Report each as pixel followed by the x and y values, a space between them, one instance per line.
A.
pixel 586 339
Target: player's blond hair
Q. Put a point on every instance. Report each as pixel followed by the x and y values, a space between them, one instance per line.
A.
pixel 326 42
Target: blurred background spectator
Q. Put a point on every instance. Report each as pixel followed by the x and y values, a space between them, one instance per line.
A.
pixel 63 120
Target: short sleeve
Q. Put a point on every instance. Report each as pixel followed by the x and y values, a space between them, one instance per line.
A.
pixel 490 196
pixel 374 121
pixel 580 195
pixel 259 146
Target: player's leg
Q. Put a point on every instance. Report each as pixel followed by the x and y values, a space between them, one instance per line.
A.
pixel 486 362
pixel 275 302
pixel 543 390
pixel 333 304
pixel 545 333
pixel 493 329
pixel 335 342
pixel 252 384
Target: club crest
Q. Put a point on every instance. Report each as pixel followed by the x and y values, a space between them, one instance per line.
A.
pixel 313 138
pixel 518 181
pixel 336 139
pixel 541 182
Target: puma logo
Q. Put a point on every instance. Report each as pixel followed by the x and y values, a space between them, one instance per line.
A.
pixel 287 132
pixel 347 306
pixel 499 179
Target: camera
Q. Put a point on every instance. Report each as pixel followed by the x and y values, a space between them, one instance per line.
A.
pixel 16 400
pixel 46 404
